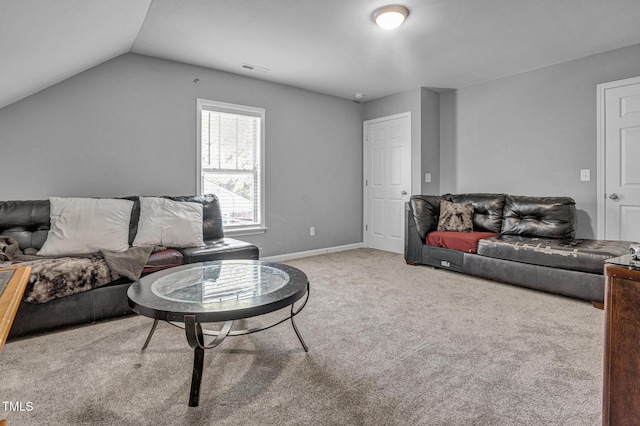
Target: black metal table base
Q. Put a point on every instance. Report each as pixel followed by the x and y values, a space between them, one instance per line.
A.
pixel 195 337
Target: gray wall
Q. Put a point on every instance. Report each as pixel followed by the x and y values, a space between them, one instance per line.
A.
pixel 448 142
pixel 531 134
pixel 128 127
pixel 430 125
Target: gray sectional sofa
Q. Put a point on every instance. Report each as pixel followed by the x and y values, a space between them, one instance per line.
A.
pixel 527 241
pixel 28 223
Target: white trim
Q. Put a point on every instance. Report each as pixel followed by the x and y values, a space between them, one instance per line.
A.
pixel 388 117
pixel 309 253
pixel 231 108
pixel 601 166
pixel 244 231
pixel 365 170
pixel 365 187
pixel 198 170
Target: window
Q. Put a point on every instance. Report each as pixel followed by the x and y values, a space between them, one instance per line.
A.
pixel 230 162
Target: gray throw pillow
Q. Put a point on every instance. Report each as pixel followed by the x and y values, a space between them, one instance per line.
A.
pixel 87 225
pixel 455 217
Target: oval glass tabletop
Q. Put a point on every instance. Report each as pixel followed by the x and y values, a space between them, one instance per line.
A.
pixel 217 291
pixel 220 282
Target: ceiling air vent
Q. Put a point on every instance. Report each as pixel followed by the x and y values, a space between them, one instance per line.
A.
pixel 254 68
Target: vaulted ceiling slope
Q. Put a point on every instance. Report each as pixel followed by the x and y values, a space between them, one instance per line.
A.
pixel 43 42
pixel 328 46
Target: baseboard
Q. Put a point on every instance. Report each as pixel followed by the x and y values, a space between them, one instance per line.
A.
pixel 289 256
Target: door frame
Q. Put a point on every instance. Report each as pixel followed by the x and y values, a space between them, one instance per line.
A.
pixel 602 166
pixel 365 169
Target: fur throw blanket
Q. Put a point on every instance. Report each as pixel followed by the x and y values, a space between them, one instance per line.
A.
pixel 59 276
pixel 53 278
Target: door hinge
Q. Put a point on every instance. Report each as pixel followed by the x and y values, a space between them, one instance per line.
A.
pixel 366 182
pixel 366 227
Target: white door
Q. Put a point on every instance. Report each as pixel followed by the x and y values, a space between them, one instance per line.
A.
pixel 387 176
pixel 619 194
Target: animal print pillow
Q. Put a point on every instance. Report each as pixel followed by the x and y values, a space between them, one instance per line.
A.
pixel 455 217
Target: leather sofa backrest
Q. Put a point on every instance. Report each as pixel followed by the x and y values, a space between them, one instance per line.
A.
pixel 487 209
pixel 28 221
pixel 25 221
pixel 487 215
pixel 546 217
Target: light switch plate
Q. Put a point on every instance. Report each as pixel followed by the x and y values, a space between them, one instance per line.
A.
pixel 585 175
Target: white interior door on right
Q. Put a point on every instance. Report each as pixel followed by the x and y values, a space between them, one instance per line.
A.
pixel 387 152
pixel 620 118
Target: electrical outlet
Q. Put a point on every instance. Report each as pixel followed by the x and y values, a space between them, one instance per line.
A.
pixel 312 231
pixel 427 177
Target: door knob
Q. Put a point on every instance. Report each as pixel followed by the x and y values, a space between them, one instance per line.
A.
pixel 614 196
pixel 403 192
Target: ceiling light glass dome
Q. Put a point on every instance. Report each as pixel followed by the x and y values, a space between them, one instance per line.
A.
pixel 390 17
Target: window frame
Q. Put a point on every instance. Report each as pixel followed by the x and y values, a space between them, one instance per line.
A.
pixel 205 104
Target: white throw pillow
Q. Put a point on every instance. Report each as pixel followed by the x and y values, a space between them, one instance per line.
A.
pixel 87 225
pixel 169 223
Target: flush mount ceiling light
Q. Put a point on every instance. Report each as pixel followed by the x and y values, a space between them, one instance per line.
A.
pixel 390 17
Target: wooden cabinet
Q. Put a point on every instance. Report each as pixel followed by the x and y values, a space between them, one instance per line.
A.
pixel 621 387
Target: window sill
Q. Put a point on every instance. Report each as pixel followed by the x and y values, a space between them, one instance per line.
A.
pixel 245 231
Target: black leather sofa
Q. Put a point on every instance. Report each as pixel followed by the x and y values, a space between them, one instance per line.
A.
pixel 28 223
pixel 534 243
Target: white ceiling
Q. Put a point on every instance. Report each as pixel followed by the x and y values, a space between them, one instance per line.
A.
pixel 328 46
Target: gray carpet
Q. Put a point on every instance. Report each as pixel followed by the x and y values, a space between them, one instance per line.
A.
pixel 390 344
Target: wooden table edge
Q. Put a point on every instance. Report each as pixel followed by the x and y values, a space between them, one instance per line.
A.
pixel 10 299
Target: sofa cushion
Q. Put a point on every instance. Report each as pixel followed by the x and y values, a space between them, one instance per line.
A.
pixel 87 225
pixel 165 222
pixel 211 215
pixel 487 209
pixel 461 241
pixel 162 260
pixel 455 217
pixel 577 255
pixel 546 217
pixel 212 226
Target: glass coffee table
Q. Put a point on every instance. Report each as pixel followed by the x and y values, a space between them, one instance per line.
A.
pixel 220 291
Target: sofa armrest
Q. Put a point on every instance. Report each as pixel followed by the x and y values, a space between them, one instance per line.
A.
pixel 412 241
pixel 425 210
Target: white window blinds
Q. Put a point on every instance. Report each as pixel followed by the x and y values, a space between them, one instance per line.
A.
pixel 230 161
